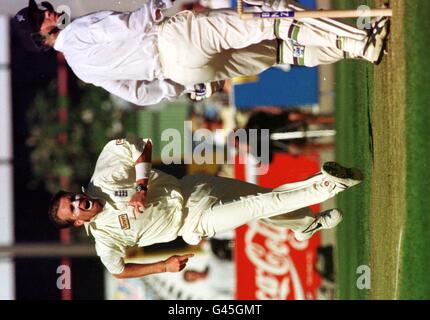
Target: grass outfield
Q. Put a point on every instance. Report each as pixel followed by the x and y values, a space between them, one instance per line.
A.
pixel 383 128
pixel 353 149
pixel 415 278
pixel 354 90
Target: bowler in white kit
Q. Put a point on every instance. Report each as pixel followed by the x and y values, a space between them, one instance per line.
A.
pixel 128 203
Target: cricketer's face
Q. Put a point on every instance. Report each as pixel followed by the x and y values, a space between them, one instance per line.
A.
pixel 50 21
pixel 79 208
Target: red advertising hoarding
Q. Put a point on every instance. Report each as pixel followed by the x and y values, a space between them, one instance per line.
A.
pixel 271 264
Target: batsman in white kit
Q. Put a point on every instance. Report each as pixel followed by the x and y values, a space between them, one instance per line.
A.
pixel 128 203
pixel 144 57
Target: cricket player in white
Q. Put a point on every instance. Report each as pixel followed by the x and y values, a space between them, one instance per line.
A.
pixel 127 203
pixel 144 58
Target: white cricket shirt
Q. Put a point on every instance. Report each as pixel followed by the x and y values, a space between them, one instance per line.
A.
pixel 118 52
pixel 115 228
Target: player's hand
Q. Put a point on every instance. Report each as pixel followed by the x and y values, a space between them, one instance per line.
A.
pixel 138 202
pixel 205 90
pixel 177 263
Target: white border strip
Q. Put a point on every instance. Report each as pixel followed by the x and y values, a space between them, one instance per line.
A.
pixel 7 268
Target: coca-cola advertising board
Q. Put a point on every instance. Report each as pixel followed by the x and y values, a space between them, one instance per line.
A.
pixel 270 263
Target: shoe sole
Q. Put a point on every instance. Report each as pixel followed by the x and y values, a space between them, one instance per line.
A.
pixel 335 170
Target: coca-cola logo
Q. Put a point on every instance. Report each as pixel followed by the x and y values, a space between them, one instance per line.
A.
pixel 268 249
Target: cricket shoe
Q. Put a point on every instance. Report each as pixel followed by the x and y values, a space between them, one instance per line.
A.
pixel 257 3
pixel 376 42
pixel 342 178
pixel 324 220
pixel 270 5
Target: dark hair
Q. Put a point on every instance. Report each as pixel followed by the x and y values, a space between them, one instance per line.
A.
pixel 53 210
pixel 37 15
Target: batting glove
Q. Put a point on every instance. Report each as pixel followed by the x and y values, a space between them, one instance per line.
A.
pixel 202 91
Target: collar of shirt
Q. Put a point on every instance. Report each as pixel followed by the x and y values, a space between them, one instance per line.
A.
pixel 87 224
pixel 61 39
pixel 87 228
pixel 107 209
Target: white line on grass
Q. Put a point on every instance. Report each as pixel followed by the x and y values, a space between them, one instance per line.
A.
pixel 399 247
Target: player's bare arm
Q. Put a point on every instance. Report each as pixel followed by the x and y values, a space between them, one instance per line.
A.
pixel 143 167
pixel 173 264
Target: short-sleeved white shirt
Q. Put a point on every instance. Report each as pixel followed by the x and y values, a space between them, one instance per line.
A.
pixel 115 228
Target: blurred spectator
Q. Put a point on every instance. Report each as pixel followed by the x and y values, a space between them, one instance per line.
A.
pixel 220 274
pixel 281 121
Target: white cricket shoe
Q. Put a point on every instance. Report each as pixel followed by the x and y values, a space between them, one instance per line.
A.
pixel 376 42
pixel 258 3
pixel 270 5
pixel 324 220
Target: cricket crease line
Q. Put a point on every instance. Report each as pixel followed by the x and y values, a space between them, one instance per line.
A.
pixel 399 246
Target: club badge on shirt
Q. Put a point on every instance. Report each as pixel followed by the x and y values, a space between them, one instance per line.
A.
pixel 124 222
pixel 298 51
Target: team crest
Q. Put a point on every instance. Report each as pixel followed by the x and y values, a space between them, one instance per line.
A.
pixel 124 222
pixel 298 51
pixel 20 18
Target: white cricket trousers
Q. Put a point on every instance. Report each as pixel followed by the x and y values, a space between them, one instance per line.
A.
pixel 218 45
pixel 350 40
pixel 215 205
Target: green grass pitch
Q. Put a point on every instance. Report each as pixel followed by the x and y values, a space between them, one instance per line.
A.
pixel 383 124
